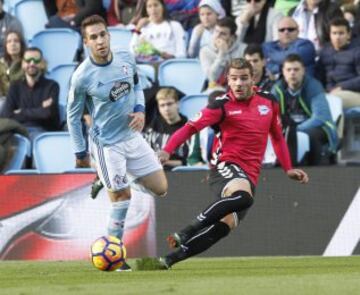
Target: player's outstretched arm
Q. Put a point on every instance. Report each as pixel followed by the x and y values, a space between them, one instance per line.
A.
pixel 298 175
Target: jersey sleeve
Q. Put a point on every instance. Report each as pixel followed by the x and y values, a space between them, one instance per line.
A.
pixel 208 116
pixel 278 140
pixel 75 110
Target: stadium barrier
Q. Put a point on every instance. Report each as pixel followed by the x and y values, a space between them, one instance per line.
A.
pixel 52 217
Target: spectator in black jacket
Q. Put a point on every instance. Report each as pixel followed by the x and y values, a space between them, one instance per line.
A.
pixel 34 100
pixel 339 64
pixel 163 126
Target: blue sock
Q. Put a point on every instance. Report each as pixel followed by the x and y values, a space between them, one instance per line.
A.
pixel 117 218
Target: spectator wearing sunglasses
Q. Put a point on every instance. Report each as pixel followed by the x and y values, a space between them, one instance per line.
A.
pixel 288 43
pixel 33 100
pixel 257 22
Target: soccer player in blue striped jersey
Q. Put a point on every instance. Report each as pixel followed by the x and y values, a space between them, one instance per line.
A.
pixel 106 83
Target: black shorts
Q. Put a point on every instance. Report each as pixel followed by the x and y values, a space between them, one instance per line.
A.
pixel 222 174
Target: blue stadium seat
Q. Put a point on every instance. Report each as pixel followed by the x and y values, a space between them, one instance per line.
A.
pixel 22 171
pixel 184 74
pixel 146 70
pixel 52 153
pixel 352 134
pixel 32 15
pixel 190 168
pixel 23 150
pixel 190 105
pixel 303 145
pixel 59 46
pixel 336 107
pixel 120 37
pixel 62 75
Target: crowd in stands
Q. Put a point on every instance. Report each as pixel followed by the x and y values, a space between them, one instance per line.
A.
pixel 301 51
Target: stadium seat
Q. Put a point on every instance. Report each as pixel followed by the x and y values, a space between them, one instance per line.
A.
pixel 32 15
pixel 22 150
pixel 336 107
pixel 190 105
pixel 269 156
pixel 184 74
pixel 22 171
pixel 59 46
pixel 120 37
pixel 52 152
pixel 9 6
pixel 190 168
pixel 62 75
pixel 351 141
pixel 146 70
pixel 303 145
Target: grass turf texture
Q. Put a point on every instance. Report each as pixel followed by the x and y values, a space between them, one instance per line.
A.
pixel 280 275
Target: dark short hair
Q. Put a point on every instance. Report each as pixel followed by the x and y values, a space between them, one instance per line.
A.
pixel 166 15
pixel 37 49
pixel 227 22
pixel 294 58
pixel 239 64
pixel 340 22
pixel 254 48
pixel 91 20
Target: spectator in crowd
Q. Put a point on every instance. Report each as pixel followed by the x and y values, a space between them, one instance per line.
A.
pixel 339 64
pixel 352 15
pixel 163 126
pixel 303 107
pixel 183 11
pixel 33 101
pixel 10 63
pixel 262 77
pixel 289 42
pixel 209 12
pixel 125 12
pixel 313 18
pixel 215 57
pixel 7 23
pixel 70 13
pixel 257 22
pixel 156 37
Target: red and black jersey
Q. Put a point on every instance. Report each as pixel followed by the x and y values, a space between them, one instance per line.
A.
pixel 243 128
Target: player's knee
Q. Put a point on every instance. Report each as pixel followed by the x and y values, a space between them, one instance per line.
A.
pixel 230 220
pixel 161 190
pixel 246 200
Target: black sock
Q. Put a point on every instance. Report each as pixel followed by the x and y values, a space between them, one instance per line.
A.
pixel 238 201
pixel 199 243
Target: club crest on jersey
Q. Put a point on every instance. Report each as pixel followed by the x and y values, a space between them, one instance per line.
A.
pixel 125 70
pixel 263 110
pixel 119 90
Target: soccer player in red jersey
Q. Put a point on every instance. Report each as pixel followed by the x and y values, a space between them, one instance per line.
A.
pixel 243 119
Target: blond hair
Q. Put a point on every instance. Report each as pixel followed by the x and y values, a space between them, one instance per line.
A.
pixel 165 93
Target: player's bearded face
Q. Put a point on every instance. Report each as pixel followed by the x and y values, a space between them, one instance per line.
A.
pixel 98 42
pixel 241 83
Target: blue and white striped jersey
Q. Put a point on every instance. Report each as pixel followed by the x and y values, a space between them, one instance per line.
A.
pixel 110 92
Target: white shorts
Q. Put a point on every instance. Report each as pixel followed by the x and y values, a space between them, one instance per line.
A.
pixel 114 163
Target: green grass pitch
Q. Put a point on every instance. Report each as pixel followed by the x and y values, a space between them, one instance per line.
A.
pixel 233 275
